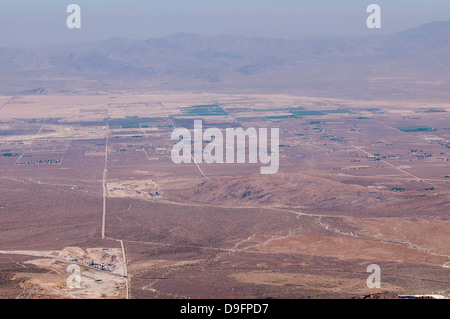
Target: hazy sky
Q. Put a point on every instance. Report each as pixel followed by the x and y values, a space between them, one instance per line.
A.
pixel 42 22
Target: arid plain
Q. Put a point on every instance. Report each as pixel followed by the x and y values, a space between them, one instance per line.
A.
pixel 88 179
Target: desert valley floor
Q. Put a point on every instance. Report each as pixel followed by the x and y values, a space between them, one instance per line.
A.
pixel 89 180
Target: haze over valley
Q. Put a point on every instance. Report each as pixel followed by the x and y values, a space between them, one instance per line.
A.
pixel 87 176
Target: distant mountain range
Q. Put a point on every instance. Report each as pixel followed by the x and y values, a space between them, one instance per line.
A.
pixel 308 63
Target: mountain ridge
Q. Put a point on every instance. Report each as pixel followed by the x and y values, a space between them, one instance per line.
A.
pixel 219 59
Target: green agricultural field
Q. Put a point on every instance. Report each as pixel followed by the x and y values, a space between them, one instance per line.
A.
pixel 412 129
pixel 202 110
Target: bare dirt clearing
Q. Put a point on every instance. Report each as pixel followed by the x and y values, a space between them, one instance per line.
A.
pixel 101 271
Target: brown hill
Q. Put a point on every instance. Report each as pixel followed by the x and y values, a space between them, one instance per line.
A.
pixel 286 190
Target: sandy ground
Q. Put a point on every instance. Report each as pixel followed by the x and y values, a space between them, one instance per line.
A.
pixel 354 248
pixel 101 273
pixel 431 234
pixel 144 189
pixel 322 282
